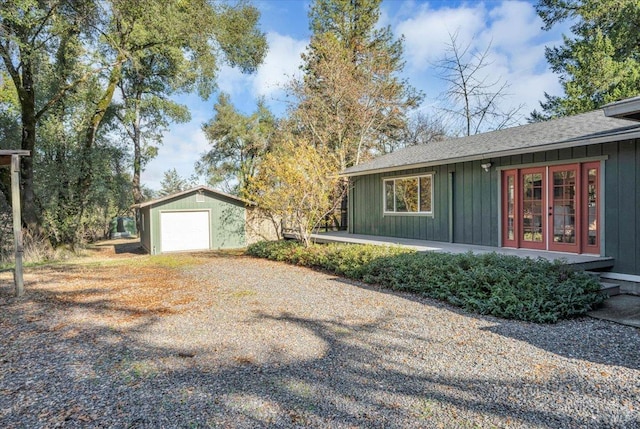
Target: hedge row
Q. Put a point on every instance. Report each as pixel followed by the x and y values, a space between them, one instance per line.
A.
pixel 510 287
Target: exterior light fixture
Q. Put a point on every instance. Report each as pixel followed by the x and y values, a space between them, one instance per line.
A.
pixel 486 166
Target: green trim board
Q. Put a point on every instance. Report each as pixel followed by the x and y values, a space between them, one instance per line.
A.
pixel 553 163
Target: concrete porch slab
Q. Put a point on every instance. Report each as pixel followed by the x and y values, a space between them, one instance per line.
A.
pixel 587 262
pixel 623 309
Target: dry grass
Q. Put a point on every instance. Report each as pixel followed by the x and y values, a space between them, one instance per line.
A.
pixel 125 284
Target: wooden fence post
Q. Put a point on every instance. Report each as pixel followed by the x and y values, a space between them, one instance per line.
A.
pixel 17 223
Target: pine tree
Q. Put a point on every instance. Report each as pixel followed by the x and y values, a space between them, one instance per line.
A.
pixel 351 99
pixel 600 63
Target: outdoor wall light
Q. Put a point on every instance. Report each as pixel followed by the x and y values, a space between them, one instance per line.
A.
pixel 486 166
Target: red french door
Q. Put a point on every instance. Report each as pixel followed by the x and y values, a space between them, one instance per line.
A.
pixel 532 208
pixel 564 203
pixel 591 208
pixel 552 208
pixel 511 217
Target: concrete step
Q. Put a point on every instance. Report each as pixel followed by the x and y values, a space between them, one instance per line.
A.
pixel 595 274
pixel 610 289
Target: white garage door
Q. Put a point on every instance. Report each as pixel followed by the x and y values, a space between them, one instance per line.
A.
pixel 184 231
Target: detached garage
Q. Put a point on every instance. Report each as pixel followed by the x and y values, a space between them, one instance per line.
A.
pixel 198 219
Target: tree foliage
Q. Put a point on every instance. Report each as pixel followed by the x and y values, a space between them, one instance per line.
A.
pixel 146 111
pixel 40 46
pixel 238 142
pixel 64 61
pixel 600 61
pixel 296 183
pixel 351 100
pixel 164 51
pixel 172 183
pixel 423 128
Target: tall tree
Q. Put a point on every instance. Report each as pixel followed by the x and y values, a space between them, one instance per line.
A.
pixel 473 98
pixel 600 62
pixel 33 34
pixel 145 111
pixel 50 48
pixel 189 54
pixel 351 99
pixel 237 142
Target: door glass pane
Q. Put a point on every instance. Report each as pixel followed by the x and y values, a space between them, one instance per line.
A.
pixel 592 206
pixel 532 206
pixel 511 207
pixel 564 206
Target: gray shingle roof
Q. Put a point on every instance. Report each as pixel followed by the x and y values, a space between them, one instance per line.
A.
pixel 586 128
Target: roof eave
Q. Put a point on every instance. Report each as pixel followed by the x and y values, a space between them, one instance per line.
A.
pixel 625 109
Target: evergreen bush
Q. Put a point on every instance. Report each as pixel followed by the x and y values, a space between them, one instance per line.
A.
pixel 526 289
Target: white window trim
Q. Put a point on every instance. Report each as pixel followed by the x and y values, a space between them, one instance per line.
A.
pixel 405 177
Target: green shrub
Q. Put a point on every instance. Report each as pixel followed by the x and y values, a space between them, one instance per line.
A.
pixel 505 286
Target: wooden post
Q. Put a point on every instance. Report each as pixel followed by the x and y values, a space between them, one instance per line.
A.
pixel 17 223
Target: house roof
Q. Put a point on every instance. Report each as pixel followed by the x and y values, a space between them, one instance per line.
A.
pixel 579 130
pixel 200 188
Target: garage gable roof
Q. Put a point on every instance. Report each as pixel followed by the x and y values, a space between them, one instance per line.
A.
pixel 579 130
pixel 200 188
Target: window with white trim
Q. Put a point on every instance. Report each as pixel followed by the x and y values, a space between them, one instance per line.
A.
pixel 409 194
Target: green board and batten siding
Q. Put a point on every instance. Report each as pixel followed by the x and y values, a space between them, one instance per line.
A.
pixel 227 218
pixel 476 201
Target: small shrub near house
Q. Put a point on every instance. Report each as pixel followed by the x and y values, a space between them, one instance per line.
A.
pixel 533 290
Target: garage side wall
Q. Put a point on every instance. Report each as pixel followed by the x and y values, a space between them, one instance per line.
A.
pixel 145 228
pixel 227 217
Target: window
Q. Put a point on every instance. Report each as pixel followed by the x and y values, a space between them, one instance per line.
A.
pixel 409 194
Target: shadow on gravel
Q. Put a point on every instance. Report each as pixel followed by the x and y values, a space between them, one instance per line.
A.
pixel 79 374
pixel 600 341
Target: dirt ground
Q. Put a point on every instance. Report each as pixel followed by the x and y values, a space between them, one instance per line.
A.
pixel 118 338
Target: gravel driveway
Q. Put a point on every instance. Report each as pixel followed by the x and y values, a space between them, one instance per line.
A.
pixel 231 341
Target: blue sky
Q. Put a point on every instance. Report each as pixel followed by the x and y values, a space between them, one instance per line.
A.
pixel 511 28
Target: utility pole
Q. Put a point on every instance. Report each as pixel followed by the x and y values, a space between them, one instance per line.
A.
pixel 17 224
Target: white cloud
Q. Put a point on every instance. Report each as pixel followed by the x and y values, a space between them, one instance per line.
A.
pixel 427 32
pixel 182 147
pixel 514 24
pixel 280 65
pixel 232 81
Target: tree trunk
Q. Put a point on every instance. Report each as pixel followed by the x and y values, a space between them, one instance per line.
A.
pixel 30 213
pixel 137 156
pixel 86 166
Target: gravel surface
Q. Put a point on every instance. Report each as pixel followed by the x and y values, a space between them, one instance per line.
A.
pixel 231 341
